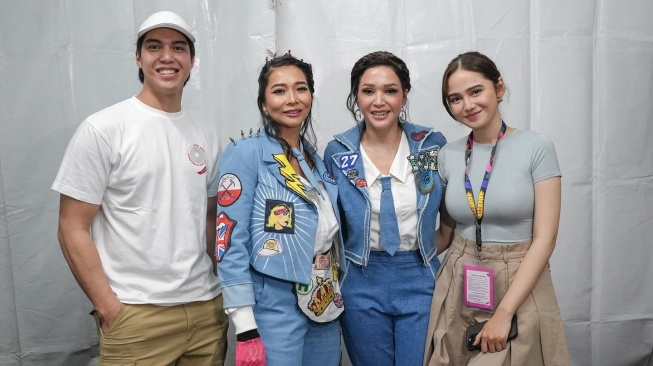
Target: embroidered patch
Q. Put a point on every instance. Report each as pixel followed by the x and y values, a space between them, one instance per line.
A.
pixel 223 227
pixel 418 136
pixel 352 174
pixel 425 182
pixel 197 157
pixel 425 160
pixel 360 182
pixel 348 161
pixel 279 217
pixel 270 248
pixel 229 189
pixel 292 179
pixel 322 261
pixel 328 178
pixel 303 289
pixel 322 296
pixel 338 300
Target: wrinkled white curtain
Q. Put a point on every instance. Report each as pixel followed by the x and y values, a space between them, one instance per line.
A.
pixel 579 71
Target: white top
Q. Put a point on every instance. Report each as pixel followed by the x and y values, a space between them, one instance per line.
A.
pixel 327 224
pixel 151 172
pixel 404 196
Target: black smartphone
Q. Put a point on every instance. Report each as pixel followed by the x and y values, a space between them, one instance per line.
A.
pixel 473 330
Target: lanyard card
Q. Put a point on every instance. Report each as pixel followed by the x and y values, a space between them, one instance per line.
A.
pixel 478 287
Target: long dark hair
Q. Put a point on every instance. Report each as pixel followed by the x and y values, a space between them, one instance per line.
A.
pixel 306 132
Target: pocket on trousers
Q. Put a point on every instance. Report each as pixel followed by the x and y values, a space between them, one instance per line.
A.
pixel 115 322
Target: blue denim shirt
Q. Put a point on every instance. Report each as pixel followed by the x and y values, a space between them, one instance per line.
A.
pixel 257 184
pixel 354 202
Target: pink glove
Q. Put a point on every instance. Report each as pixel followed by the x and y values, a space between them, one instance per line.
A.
pixel 250 353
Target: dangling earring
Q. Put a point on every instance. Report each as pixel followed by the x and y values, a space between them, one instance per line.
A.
pixel 265 111
pixel 500 99
pixel 403 115
pixel 358 115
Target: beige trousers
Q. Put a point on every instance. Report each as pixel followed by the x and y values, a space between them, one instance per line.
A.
pixel 181 335
pixel 541 339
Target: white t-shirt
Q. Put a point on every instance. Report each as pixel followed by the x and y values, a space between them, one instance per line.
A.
pixel 151 172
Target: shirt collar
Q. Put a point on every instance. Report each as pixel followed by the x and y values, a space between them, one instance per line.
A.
pixel 399 168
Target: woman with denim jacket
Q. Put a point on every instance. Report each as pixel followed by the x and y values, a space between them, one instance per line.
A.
pixel 389 247
pixel 278 240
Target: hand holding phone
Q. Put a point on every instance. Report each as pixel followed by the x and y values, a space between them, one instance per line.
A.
pixel 473 330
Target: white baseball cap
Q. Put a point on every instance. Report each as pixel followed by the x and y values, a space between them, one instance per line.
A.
pixel 166 19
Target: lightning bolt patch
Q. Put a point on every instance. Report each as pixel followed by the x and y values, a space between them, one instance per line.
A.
pixel 292 179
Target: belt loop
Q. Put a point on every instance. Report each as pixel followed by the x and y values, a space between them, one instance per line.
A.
pixel 504 249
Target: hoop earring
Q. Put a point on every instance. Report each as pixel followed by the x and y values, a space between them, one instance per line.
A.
pixel 358 115
pixel 403 115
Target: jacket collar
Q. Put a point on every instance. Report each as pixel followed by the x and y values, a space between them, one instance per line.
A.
pixel 414 133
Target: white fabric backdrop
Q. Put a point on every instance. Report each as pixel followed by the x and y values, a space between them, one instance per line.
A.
pixel 581 72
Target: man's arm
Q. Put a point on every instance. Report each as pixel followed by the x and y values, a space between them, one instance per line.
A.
pixel 75 218
pixel 211 213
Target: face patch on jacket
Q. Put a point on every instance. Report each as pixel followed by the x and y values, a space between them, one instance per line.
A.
pixel 279 217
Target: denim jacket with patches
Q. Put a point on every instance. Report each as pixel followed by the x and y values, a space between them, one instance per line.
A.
pixel 245 228
pixel 354 200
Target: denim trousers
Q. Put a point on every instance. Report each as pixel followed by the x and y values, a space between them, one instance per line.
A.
pixel 289 337
pixel 387 309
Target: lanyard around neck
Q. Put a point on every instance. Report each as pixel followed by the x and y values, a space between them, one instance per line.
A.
pixel 478 209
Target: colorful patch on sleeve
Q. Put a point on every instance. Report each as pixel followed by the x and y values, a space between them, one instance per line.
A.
pixel 229 189
pixel 279 217
pixel 224 227
pixel 292 179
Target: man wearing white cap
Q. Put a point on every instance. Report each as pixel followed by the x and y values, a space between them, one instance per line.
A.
pixel 137 213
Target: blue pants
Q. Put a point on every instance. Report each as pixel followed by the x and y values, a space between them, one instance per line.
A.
pixel 387 308
pixel 289 338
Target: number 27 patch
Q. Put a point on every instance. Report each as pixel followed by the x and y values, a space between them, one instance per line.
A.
pixel 348 161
